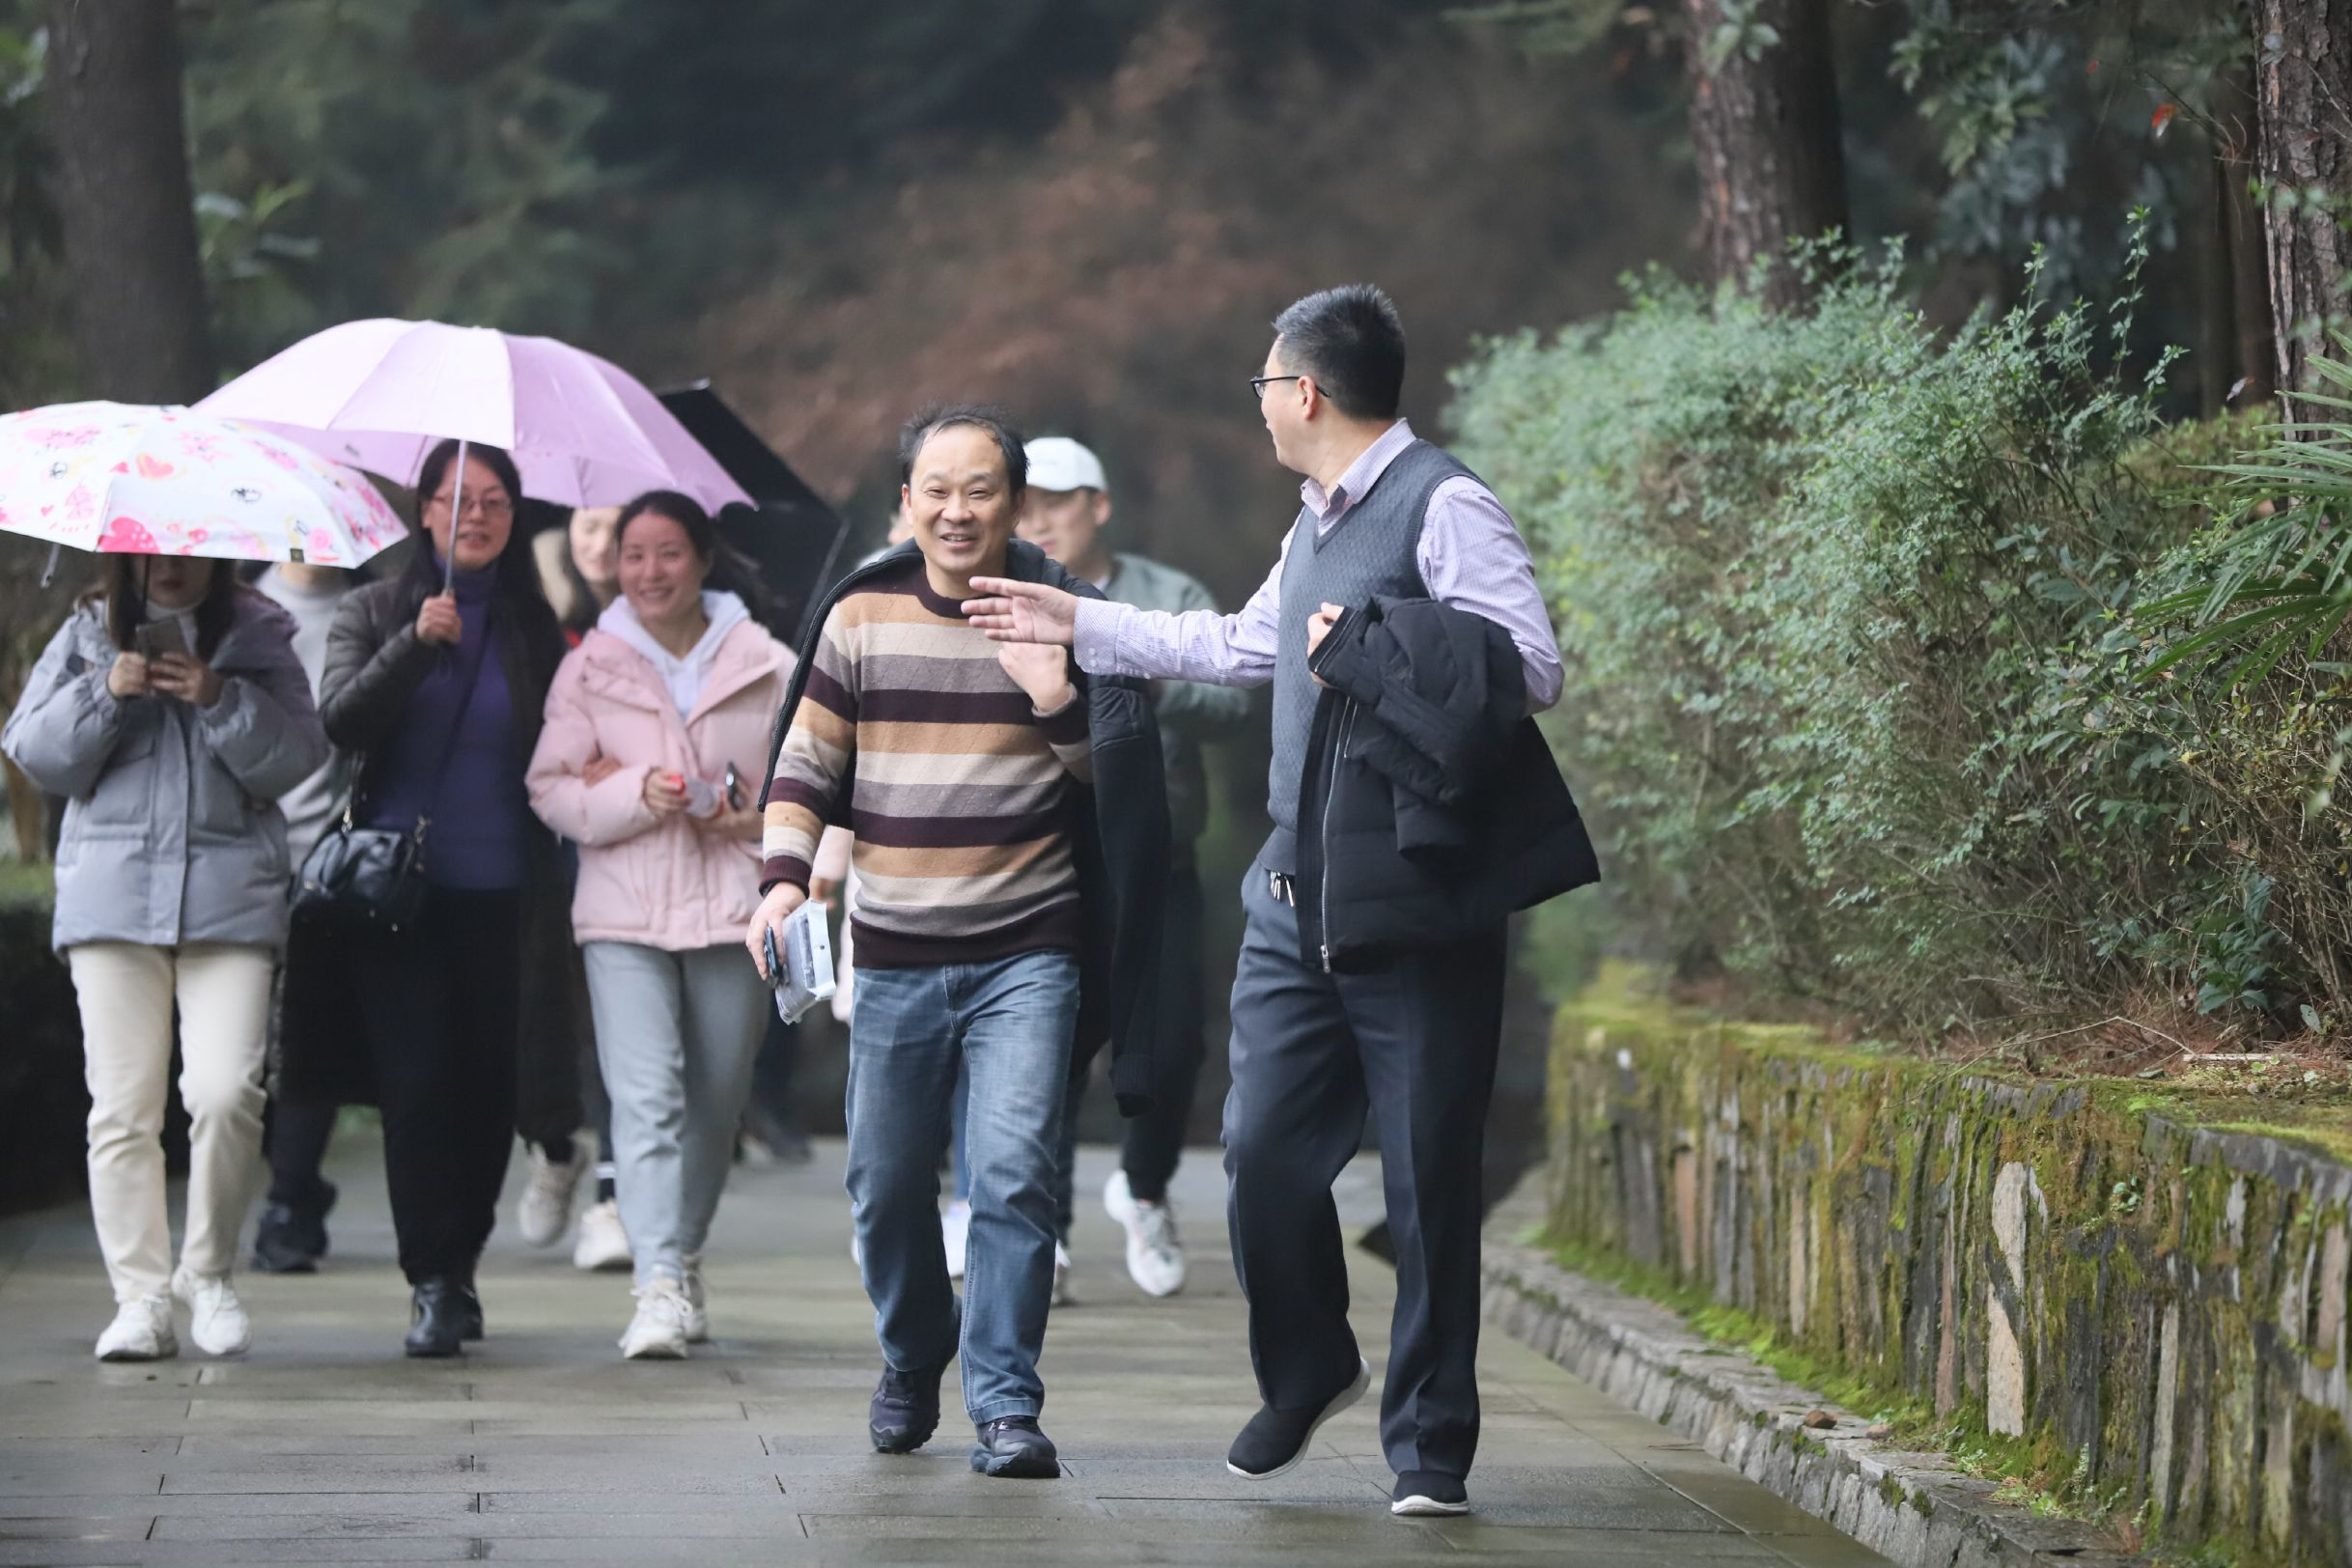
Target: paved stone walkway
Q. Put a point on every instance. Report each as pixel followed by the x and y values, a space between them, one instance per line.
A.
pixel 325 1447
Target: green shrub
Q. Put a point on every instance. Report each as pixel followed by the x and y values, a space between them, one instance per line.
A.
pixel 1857 696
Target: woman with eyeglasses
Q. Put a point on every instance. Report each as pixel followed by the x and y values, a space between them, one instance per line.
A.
pixel 436 682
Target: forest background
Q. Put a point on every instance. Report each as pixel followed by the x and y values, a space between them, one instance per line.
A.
pixel 1899 691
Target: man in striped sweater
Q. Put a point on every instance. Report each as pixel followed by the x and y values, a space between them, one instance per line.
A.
pixel 960 759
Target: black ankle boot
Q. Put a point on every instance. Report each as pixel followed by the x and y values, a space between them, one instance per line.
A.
pixel 437 1318
pixel 469 1311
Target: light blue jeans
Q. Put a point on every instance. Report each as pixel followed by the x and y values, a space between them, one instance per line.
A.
pixel 1008 1025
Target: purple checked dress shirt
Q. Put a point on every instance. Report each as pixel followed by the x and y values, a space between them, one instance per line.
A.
pixel 1470 555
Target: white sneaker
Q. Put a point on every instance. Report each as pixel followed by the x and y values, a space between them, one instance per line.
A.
pixel 1061 1275
pixel 602 1245
pixel 141 1331
pixel 1155 1254
pixel 698 1304
pixel 545 1206
pixel 216 1318
pixel 955 1230
pixel 659 1330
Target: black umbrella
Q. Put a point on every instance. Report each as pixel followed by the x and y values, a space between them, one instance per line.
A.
pixel 792 538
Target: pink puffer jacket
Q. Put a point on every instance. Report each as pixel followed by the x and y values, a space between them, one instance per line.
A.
pixel 665 884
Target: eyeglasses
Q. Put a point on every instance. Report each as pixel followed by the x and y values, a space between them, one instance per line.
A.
pixel 491 506
pixel 1259 383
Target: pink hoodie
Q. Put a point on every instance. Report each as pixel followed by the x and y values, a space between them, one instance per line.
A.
pixel 670 883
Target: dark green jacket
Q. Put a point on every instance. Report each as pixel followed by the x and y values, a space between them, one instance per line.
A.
pixel 1188 712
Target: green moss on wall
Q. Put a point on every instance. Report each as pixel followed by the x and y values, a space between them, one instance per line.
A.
pixel 2130 1302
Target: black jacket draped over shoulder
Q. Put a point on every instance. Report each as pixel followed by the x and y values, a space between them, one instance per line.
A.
pixel 1430 807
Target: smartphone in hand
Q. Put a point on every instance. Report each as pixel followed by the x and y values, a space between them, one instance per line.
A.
pixel 155 638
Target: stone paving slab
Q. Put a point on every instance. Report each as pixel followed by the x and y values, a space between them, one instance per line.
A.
pixel 325 1445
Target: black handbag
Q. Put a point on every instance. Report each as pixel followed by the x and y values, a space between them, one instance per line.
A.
pixel 373 878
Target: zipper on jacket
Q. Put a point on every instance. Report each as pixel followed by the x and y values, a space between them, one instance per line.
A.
pixel 1323 894
pixel 1321 778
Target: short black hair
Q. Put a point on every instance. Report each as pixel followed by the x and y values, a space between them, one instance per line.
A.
pixel 1352 342
pixel 929 422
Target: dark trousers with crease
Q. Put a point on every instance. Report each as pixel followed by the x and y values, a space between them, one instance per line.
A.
pixel 1412 1043
pixel 294 1140
pixel 439 1007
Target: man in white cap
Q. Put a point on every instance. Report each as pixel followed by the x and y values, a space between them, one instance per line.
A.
pixel 1066 515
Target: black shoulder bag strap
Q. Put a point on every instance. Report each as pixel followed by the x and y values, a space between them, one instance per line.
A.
pixel 449 742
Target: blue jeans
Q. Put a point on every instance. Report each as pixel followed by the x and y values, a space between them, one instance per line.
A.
pixel 1065 1163
pixel 1008 1025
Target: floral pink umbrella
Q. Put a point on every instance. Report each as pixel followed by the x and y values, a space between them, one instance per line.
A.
pixel 128 479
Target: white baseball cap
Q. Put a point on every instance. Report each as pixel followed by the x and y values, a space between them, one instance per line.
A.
pixel 1056 463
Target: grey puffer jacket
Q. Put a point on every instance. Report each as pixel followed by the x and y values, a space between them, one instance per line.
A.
pixel 171 830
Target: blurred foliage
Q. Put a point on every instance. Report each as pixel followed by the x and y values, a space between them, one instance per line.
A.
pixel 1089 209
pixel 2051 114
pixel 1861 692
pixel 2017 128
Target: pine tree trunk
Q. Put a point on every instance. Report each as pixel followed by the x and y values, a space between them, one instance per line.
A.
pixel 124 198
pixel 2302 92
pixel 1765 132
pixel 2241 350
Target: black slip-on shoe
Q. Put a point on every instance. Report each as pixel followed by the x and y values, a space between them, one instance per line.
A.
pixel 1427 1495
pixel 1014 1447
pixel 436 1320
pixel 1276 1441
pixel 905 1411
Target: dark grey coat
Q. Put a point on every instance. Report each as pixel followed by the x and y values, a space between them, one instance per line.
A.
pixel 172 831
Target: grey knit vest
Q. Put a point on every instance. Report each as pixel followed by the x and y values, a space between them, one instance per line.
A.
pixel 1375 549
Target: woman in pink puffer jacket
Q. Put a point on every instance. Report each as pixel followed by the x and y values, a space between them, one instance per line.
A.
pixel 654 746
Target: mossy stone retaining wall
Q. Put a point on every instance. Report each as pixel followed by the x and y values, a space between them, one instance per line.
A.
pixel 2108 1285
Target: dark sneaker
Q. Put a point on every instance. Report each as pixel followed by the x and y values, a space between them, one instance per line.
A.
pixel 905 1411
pixel 1276 1441
pixel 1425 1493
pixel 290 1239
pixel 1015 1447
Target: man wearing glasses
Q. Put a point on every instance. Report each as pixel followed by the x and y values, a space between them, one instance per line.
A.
pixel 1387 516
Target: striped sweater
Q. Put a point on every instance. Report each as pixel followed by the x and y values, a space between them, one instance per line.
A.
pixel 959 791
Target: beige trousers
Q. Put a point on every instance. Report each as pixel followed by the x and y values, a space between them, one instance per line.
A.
pixel 125 991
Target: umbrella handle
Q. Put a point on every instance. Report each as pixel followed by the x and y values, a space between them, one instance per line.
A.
pixel 456 510
pixel 48 568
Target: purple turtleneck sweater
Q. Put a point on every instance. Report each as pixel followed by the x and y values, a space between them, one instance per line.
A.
pixel 480 812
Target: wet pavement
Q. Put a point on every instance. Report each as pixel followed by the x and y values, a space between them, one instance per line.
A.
pixel 325 1445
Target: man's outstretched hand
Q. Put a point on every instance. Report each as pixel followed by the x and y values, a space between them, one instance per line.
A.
pixel 1012 611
